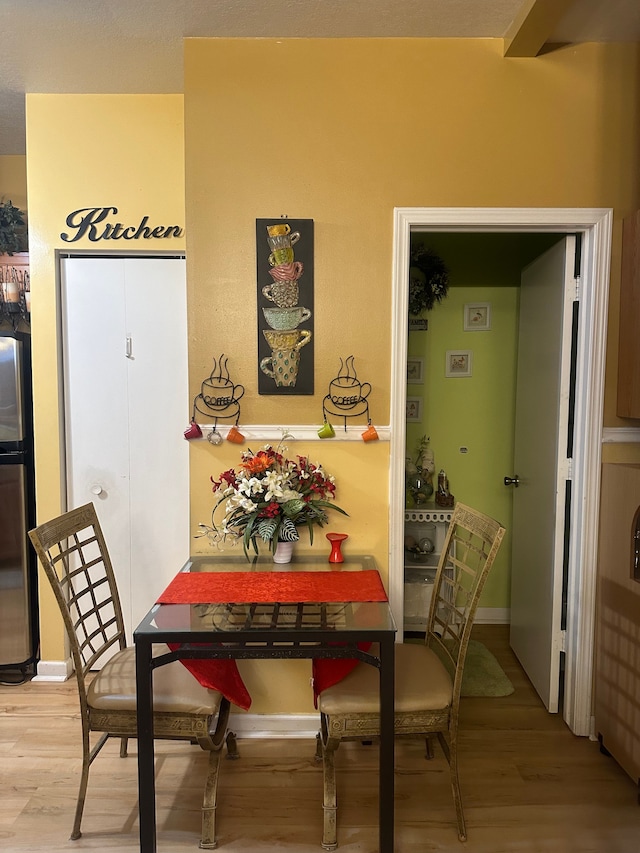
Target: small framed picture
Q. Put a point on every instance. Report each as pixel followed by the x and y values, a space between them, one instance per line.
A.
pixel 414 408
pixel 415 370
pixel 477 317
pixel 459 363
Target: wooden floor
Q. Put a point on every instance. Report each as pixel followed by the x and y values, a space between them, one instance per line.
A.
pixel 528 784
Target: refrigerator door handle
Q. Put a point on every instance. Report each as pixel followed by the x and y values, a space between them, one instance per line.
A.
pixel 12 457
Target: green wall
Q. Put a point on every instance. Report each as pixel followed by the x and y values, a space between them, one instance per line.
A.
pixel 475 412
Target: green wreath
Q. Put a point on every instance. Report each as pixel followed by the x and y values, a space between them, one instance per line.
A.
pixel 428 280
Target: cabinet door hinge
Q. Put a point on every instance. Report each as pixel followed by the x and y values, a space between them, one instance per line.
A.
pixel 578 289
pixel 560 641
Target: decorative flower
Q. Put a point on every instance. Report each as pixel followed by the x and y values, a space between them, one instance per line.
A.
pixel 269 497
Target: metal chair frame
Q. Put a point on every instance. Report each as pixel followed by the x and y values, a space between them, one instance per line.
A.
pixel 471 544
pixel 75 558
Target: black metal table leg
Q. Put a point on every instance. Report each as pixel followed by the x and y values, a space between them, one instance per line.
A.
pixel 146 774
pixel 386 768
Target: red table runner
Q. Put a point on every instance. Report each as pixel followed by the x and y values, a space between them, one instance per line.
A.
pixel 267 587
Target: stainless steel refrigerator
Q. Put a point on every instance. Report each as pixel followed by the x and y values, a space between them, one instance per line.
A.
pixel 18 570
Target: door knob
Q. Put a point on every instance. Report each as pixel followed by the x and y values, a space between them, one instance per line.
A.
pixel 512 481
pixel 96 489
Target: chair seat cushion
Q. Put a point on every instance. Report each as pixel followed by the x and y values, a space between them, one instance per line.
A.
pixel 174 688
pixel 421 684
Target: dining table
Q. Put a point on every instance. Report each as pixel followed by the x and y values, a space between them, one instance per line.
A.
pixel 222 608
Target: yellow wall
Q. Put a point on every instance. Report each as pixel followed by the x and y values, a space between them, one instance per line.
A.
pixel 87 151
pixel 13 179
pixel 365 126
pixel 368 125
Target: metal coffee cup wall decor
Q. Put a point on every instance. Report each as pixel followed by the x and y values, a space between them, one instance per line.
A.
pixel 347 398
pixel 284 254
pixel 219 399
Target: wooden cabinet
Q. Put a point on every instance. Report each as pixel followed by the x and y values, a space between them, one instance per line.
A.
pixel 617 670
pixel 629 341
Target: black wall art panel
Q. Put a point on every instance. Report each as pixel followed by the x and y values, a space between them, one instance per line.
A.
pixel 284 255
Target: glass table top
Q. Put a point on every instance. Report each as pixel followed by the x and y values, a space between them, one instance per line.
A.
pixel 248 618
pixel 310 561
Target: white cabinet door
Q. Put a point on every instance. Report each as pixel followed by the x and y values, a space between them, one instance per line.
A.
pixel 126 406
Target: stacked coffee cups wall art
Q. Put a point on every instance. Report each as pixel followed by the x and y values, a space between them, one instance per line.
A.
pixel 284 255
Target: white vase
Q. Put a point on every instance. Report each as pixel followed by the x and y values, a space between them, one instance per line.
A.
pixel 283 552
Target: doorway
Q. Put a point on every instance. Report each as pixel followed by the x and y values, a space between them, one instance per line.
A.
pixel 595 228
pixel 506 415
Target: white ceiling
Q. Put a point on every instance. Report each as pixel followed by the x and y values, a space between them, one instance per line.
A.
pixel 135 46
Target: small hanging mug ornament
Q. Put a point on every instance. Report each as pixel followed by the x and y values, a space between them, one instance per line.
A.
pixel 193 431
pixel 235 436
pixel 326 430
pixel 371 433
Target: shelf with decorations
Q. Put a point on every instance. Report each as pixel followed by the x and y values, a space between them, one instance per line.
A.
pixel 425 529
pixel 15 289
pixel 427 514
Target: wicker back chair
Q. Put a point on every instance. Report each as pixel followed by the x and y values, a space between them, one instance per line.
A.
pixel 428 677
pixel 75 558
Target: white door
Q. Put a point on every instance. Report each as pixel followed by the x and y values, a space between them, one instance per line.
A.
pixel 126 406
pixel 541 465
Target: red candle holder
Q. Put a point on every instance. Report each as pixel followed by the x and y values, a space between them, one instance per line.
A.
pixel 336 540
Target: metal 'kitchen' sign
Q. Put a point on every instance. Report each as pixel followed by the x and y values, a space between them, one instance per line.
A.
pixel 90 222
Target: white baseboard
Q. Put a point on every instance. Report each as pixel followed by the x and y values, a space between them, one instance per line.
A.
pixel 275 725
pixel 620 435
pixel 492 616
pixel 53 670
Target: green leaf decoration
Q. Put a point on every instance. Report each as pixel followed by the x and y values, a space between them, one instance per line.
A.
pixel 266 528
pixel 288 531
pixel 293 508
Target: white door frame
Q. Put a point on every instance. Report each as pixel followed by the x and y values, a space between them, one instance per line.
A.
pixel 595 225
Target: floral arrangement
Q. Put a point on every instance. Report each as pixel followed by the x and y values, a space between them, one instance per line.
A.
pixel 428 280
pixel 270 498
